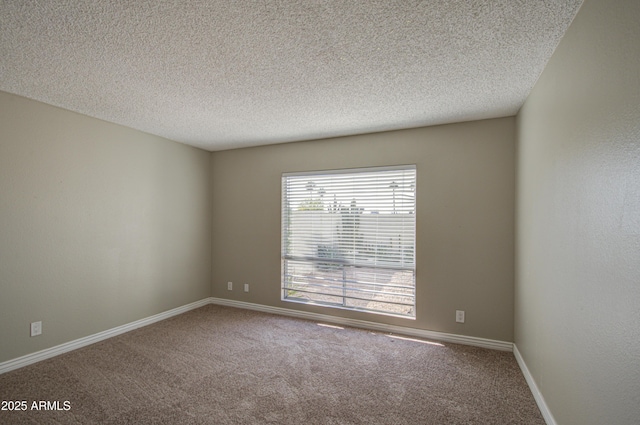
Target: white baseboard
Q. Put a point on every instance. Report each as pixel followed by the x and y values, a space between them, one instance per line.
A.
pixel 537 395
pixel 91 339
pixel 420 333
pixel 381 327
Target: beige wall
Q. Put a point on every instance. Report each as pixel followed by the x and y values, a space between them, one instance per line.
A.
pixel 100 225
pixel 578 253
pixel 465 219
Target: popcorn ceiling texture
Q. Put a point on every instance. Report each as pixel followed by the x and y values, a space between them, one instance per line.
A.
pixel 223 74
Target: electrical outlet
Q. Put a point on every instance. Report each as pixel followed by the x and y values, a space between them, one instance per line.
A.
pixel 246 287
pixel 36 328
pixel 460 316
pixel 230 286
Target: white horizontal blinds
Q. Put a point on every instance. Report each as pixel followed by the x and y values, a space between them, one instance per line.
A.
pixel 349 238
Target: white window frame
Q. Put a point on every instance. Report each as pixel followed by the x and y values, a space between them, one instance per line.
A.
pixel 372 279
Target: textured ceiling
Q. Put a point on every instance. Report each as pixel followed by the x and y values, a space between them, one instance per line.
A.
pixel 226 74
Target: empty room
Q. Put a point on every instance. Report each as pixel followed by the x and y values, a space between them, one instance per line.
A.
pixel 326 212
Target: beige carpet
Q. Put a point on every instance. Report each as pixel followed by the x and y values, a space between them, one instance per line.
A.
pixel 219 365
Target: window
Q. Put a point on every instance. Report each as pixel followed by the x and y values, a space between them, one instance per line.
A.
pixel 348 239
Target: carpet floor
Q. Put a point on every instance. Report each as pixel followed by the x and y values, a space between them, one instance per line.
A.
pixel 221 365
